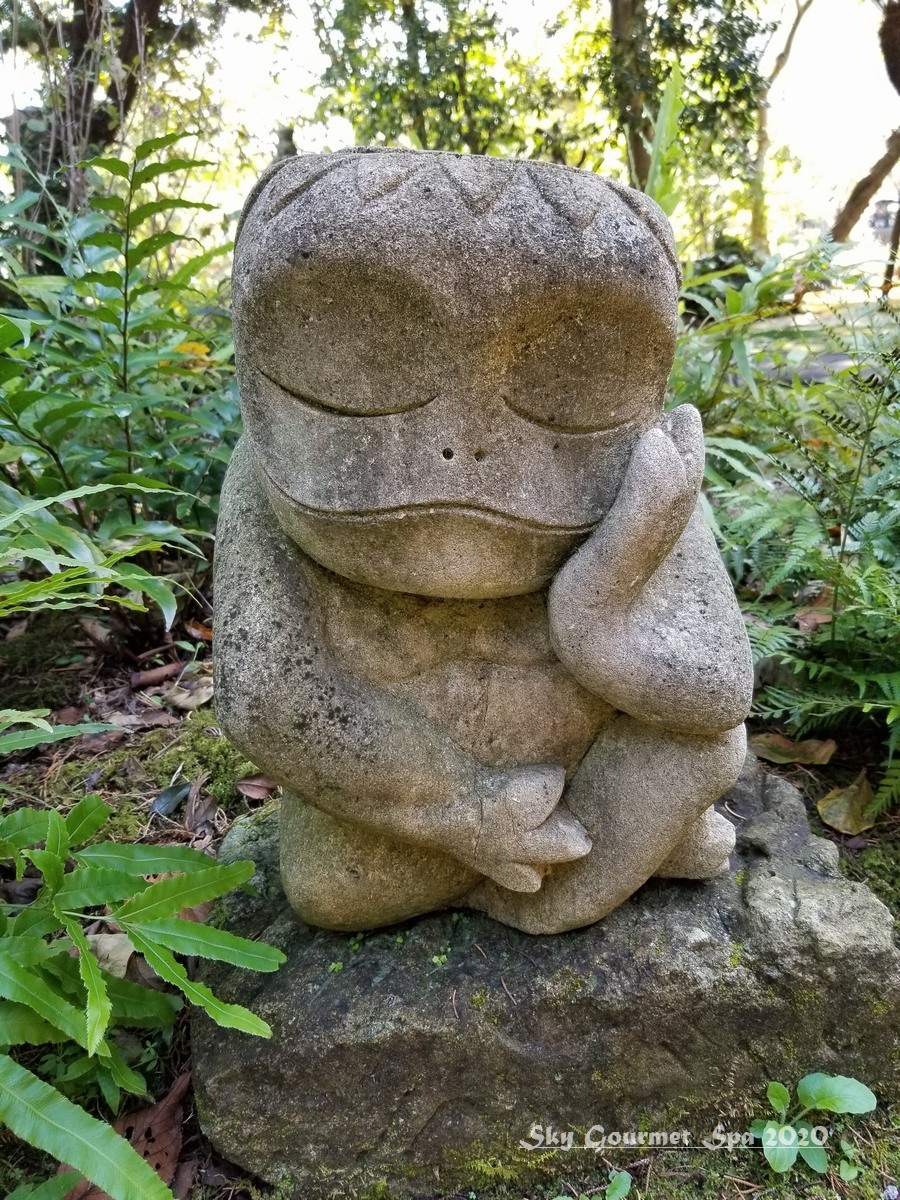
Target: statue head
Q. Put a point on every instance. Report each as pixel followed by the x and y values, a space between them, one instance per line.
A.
pixel 445 360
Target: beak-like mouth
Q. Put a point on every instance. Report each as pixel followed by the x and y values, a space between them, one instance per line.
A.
pixel 450 508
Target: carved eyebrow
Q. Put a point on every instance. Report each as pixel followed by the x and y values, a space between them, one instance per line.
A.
pixel 339 410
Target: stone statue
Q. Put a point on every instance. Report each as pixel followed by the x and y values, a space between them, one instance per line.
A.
pixel 468 612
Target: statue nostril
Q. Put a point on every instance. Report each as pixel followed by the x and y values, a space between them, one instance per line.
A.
pixel 480 455
pixel 448 453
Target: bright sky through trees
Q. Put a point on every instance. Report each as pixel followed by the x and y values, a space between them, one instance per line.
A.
pixel 832 107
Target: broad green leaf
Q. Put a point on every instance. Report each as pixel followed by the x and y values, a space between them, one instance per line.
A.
pixel 57 842
pixel 87 817
pixel 122 1075
pixel 153 145
pixel 51 1189
pixel 10 333
pixel 157 589
pixel 27 987
pixel 51 866
pixel 203 941
pixel 110 1090
pixel 86 887
pixel 835 1093
pixel 39 1115
pixel 141 1007
pixel 108 239
pixel 145 174
pixel 230 1016
pixel 113 204
pixel 152 245
pixel 619 1186
pixel 815 1157
pixel 36 922
pixel 779 1097
pixel 189 270
pixel 24 827
pixel 115 166
pixel 107 279
pixel 742 362
pixel 143 860
pixel 98 1005
pixel 20 1025
pixel 170 896
pixel 152 208
pixel 780 1157
pixel 29 949
pixel 26 739
pixel 18 204
pixel 848 1171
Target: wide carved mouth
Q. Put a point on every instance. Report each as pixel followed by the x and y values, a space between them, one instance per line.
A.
pixel 470 510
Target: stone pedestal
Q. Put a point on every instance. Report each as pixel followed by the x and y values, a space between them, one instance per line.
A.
pixel 419 1057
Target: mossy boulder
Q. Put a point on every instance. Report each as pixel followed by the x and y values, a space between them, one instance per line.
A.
pixel 419 1058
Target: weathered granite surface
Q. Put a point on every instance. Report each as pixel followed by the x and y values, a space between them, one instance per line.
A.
pixel 468 611
pixel 425 1074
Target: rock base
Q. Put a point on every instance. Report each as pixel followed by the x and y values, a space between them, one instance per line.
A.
pixel 413 1061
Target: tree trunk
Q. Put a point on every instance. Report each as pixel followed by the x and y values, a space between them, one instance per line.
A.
pixel 628 26
pixel 865 190
pixel 412 29
pixel 888 282
pixel 759 217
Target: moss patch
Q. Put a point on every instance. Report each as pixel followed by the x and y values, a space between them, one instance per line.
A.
pixel 129 777
pixel 36 668
pixel 879 868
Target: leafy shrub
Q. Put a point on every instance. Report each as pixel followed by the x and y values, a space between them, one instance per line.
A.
pixel 806 503
pixel 53 990
pixel 128 378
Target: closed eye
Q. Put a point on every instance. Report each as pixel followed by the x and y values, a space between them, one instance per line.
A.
pixel 556 426
pixel 330 406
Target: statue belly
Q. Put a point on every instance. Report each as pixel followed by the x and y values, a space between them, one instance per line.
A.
pixel 484 670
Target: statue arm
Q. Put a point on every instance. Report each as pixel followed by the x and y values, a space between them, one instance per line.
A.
pixel 341 743
pixel 643 614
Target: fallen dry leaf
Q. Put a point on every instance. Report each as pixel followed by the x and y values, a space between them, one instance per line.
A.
pixel 808 620
pixel 844 809
pixel 199 912
pixel 151 719
pixel 256 787
pixel 98 633
pixel 190 696
pixel 200 811
pixel 113 951
pixel 196 629
pixel 184 1179
pixel 775 747
pixel 156 1135
pixel 72 714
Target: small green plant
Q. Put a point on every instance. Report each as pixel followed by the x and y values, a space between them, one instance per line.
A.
pixel 618 1187
pixel 54 991
pixel 792 1135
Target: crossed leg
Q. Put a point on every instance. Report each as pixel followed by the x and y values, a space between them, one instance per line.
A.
pixel 638 792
